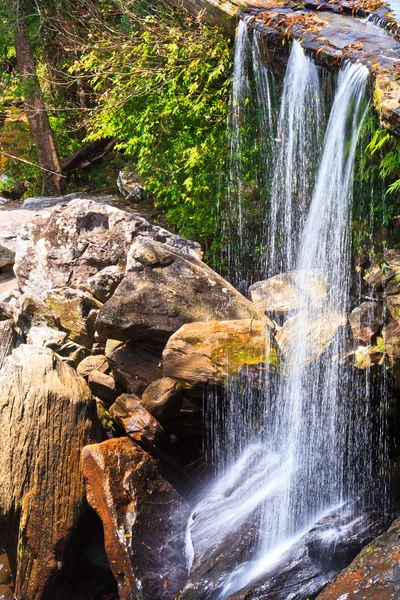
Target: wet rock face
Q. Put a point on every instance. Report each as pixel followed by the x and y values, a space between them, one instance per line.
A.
pixel 374 574
pixel 72 243
pixel 144 519
pixel 133 367
pixel 290 291
pixel 366 321
pixel 318 334
pixel 163 398
pixel 187 290
pixel 47 415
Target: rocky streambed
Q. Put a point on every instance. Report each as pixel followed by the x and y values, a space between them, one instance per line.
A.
pixel 112 335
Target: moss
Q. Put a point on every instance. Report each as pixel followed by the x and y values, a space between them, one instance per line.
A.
pixel 240 350
pixel 106 420
pixel 380 345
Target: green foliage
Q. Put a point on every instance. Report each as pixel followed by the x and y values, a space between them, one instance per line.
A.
pixel 377 189
pixel 161 85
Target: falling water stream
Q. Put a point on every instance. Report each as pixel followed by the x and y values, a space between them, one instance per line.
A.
pixel 296 466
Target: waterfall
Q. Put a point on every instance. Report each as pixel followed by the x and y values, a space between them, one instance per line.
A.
pixel 297 447
pixel 298 145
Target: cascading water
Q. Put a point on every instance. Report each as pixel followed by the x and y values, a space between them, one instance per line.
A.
pixel 298 136
pixel 300 447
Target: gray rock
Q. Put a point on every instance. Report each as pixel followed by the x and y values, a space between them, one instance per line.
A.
pixel 103 284
pixel 290 291
pixel 11 221
pixel 130 186
pixel 73 242
pixel 75 312
pixel 162 290
pixel 46 337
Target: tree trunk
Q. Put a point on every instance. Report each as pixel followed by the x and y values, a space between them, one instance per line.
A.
pixel 35 109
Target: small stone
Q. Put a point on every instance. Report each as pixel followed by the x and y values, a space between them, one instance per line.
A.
pixel 103 386
pixel 72 353
pixel 76 313
pixel 138 423
pixel 46 337
pixel 31 311
pixel 365 321
pixel 103 284
pixel 93 363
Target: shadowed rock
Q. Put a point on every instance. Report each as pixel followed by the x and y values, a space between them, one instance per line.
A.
pixel 47 415
pixel 144 519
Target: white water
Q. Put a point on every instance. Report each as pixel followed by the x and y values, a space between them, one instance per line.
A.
pixel 300 128
pixel 314 437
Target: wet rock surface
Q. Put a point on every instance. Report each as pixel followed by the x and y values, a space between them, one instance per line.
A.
pixel 141 513
pixel 290 291
pixel 374 574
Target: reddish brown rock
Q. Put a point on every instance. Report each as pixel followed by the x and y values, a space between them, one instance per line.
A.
pixel 144 519
pixel 163 398
pixel 373 575
pixel 103 386
pixel 205 353
pixel 133 367
pixel 5 574
pixel 138 423
pixel 47 415
pixel 6 593
pixel 93 363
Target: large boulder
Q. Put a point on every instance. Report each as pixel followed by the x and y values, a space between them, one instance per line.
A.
pixel 290 291
pixel 74 241
pixel 47 415
pixel 144 519
pixel 374 574
pixel 207 352
pixel 162 290
pixel 11 222
pixel 317 333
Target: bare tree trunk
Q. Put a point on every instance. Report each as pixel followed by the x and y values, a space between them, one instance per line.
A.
pixel 35 109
